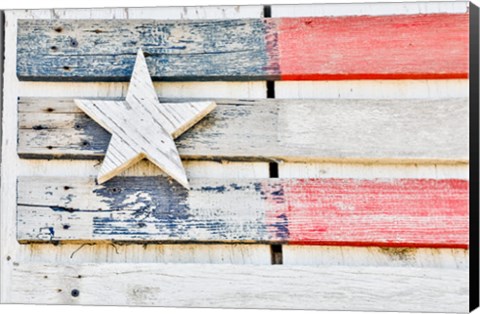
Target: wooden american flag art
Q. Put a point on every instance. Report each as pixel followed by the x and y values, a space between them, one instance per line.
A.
pixel 169 156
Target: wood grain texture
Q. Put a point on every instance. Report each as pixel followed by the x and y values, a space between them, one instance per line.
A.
pixel 375 256
pixel 331 48
pixel 309 170
pixel 409 212
pixel 372 8
pixel 241 286
pixel 380 131
pixel 373 89
pixel 374 47
pixel 141 127
pixel 179 50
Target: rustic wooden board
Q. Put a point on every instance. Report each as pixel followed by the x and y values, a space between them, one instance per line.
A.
pixel 373 47
pixel 332 48
pixel 380 131
pixel 372 89
pixel 409 212
pixel 375 256
pixel 372 8
pixel 244 286
pixel 104 50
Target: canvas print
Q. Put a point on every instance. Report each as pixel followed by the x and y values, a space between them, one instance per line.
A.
pixel 281 156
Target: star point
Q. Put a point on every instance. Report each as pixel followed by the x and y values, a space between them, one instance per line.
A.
pixel 142 127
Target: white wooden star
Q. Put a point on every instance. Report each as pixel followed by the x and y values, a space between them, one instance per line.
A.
pixel 141 127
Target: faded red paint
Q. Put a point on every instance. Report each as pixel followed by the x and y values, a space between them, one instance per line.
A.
pixel 433 46
pixel 406 212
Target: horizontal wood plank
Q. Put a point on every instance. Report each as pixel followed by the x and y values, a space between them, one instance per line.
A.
pixel 244 286
pixel 178 50
pixel 373 47
pixel 366 131
pixel 331 48
pixel 373 8
pixel 397 212
pixel 322 255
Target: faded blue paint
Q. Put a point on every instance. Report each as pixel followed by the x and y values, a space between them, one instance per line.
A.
pixel 281 227
pixel 165 213
pixel 165 204
pixel 175 50
pixel 218 189
pixel 278 194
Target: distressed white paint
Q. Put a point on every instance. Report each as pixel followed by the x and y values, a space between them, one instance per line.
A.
pixel 346 9
pixel 195 169
pixel 372 89
pixel 256 254
pixel 142 128
pixel 375 256
pixel 163 13
pixel 238 90
pixel 245 286
pixel 293 130
pixel 372 171
pixel 12 252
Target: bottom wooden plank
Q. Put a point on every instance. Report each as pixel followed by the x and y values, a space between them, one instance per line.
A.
pixel 242 286
pixel 381 212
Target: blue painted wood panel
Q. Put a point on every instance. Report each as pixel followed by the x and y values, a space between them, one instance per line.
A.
pixel 105 50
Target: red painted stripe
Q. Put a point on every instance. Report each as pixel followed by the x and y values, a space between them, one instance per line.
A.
pixel 406 212
pixel 432 46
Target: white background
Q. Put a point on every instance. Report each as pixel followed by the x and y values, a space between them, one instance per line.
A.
pixel 47 4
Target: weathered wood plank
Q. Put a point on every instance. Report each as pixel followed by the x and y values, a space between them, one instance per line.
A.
pixel 375 256
pixel 380 131
pixel 409 212
pixel 372 89
pixel 373 47
pixel 242 286
pixel 181 50
pixel 332 48
pixel 372 8
pixel 360 171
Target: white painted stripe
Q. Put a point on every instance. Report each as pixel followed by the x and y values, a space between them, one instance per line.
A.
pixel 349 9
pixel 372 89
pixel 373 171
pixel 375 256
